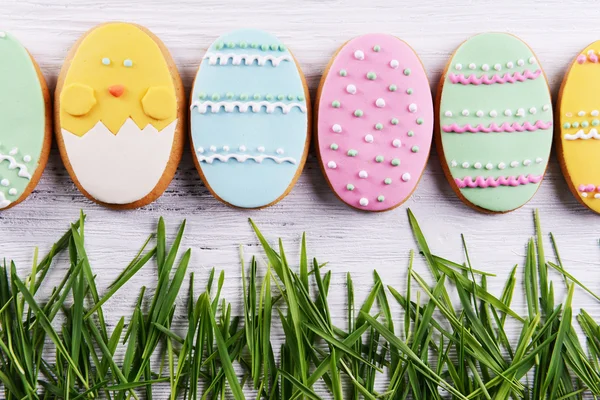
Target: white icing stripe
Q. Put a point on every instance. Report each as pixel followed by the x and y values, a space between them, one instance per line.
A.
pixel 519 112
pixel 592 134
pixel 12 164
pixel 243 107
pixel 497 66
pixel 223 59
pixel 501 165
pixel 245 157
pixel 3 201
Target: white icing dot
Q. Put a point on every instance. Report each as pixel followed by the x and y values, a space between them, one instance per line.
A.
pixel 5 182
pixel 479 113
pixel 477 165
pixel 514 164
pixel 568 114
pixel 448 113
pixel 584 194
pixel 242 148
pixel 526 162
pixel 380 102
pixel 225 148
pixel 394 64
pixel 279 151
pixel 466 165
pixel 2 34
pixel 472 66
pixel 453 163
pixel 581 113
pixel 497 67
pixel 531 60
pixel 363 174
pixel 369 138
pixel 485 67
pixel 547 107
pixel 590 52
pixel 332 165
pixel 532 110
pixel 351 89
pixel 489 166
pixel 200 150
pixel 363 202
pixel 520 112
pixel 538 160
pixel 594 113
pixel 521 62
pixel 412 108
pixel 396 143
pixel 213 148
pixel 12 191
pixel 508 113
pixel 501 165
pixel 465 112
pixel 597 196
pixel 13 151
pixel 261 149
pixel 493 114
pixel 510 64
pixel 458 67
pixel 406 177
pixel 27 158
pixel 359 55
pixel 337 128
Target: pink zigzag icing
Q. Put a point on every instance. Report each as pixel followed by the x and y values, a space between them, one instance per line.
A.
pixel 587 188
pixel 482 182
pixel 505 127
pixel 486 80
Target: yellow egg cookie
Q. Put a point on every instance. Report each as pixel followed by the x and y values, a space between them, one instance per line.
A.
pixel 119 115
pixel 578 115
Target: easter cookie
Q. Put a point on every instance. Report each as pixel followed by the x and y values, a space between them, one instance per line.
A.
pixel 25 122
pixel 249 119
pixel 120 111
pixel 495 122
pixel 374 122
pixel 578 140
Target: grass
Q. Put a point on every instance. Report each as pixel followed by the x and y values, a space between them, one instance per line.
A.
pixel 61 347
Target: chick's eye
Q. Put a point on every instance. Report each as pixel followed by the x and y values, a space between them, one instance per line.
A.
pixel 106 61
pixel 128 63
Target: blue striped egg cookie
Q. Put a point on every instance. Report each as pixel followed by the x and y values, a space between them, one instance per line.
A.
pixel 249 119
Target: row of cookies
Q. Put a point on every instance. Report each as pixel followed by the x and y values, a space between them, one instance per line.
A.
pixel 120 120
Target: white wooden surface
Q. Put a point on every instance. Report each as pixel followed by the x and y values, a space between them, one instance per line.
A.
pixel 350 240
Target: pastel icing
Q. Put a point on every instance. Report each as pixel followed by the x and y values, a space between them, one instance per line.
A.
pixel 374 140
pixel 22 120
pixel 118 113
pixel 496 123
pixel 579 141
pixel 94 91
pixel 121 168
pixel 249 119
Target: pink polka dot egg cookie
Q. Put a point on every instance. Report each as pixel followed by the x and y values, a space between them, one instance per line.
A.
pixel 374 122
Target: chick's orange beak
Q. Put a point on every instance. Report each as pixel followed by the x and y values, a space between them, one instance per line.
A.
pixel 116 90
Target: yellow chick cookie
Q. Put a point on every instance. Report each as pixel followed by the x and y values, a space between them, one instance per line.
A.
pixel 119 115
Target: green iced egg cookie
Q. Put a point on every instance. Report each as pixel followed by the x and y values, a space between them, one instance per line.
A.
pixel 22 121
pixel 495 122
